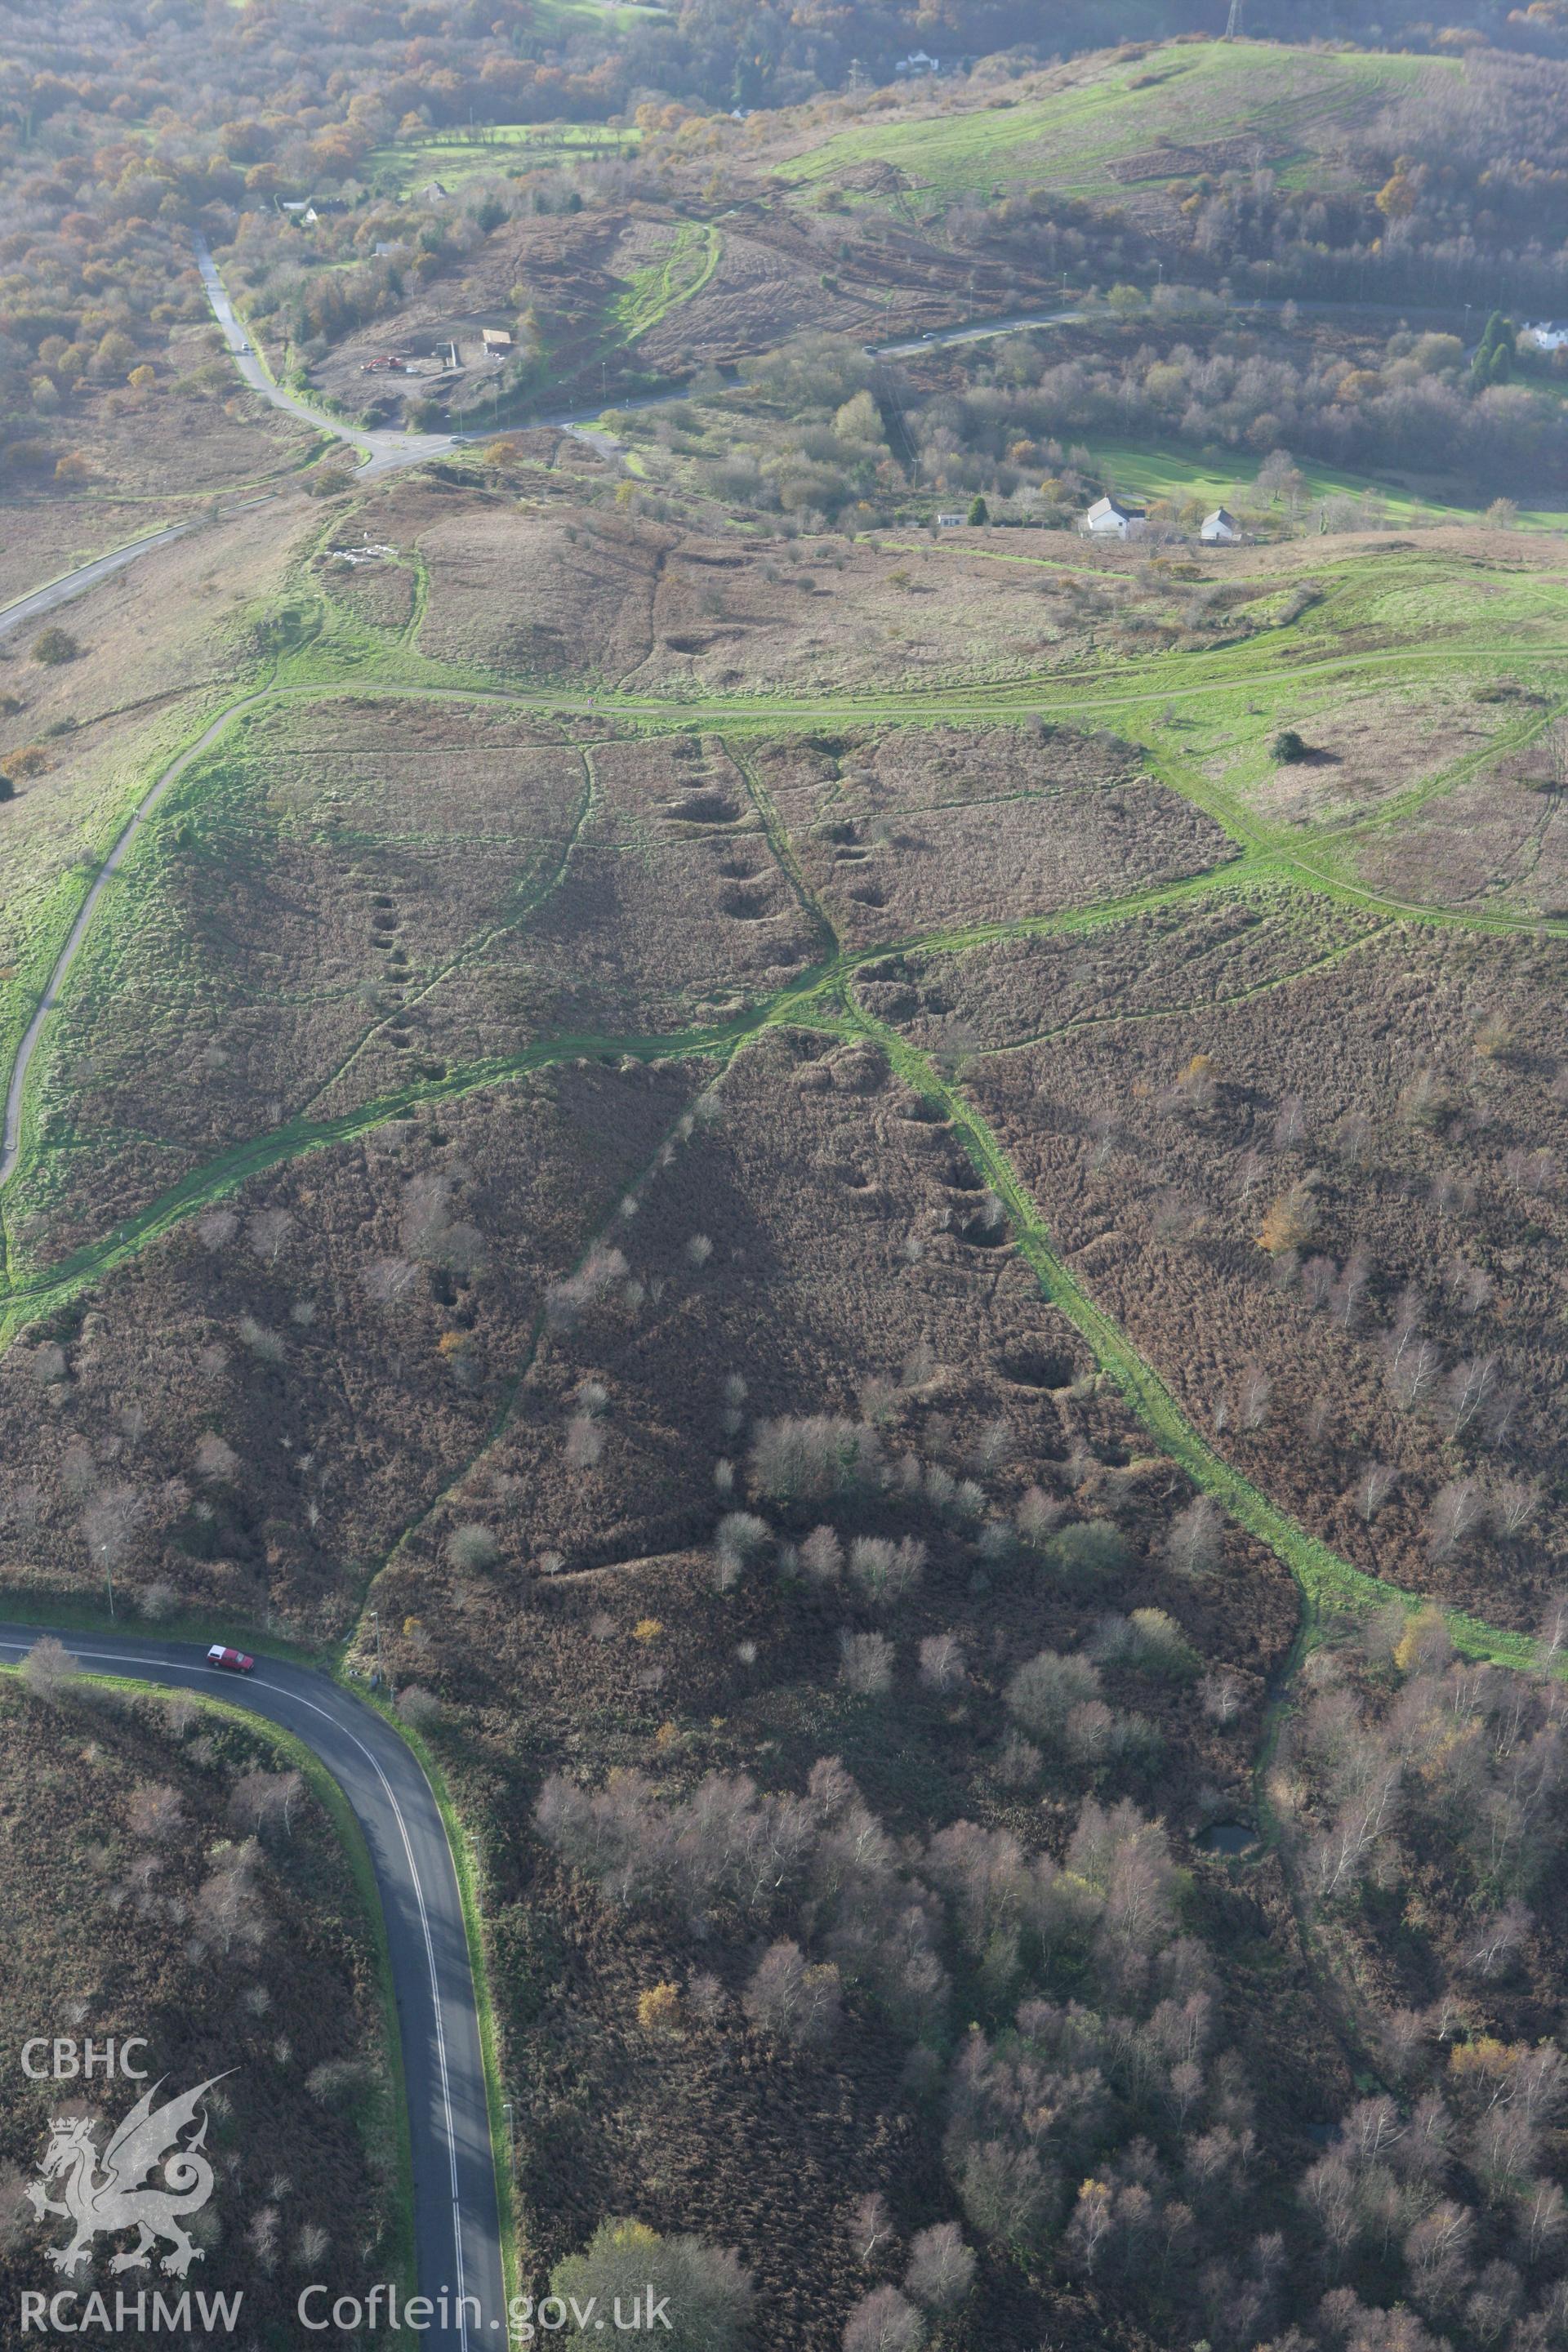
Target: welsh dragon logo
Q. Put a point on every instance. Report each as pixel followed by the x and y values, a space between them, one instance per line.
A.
pixel 103 2195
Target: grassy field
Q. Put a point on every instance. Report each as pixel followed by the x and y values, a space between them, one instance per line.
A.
pixel 289 823
pixel 1289 101
pixel 1419 674
pixel 1141 470
pixel 453 156
pixel 1430 623
pixel 558 19
pixel 1144 472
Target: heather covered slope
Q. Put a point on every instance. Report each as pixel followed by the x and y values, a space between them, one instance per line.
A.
pixel 794 1237
pixel 877 1203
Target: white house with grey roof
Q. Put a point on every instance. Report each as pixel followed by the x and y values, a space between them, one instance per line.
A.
pixel 1109 518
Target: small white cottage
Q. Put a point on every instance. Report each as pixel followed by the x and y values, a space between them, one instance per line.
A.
pixel 1219 528
pixel 1109 518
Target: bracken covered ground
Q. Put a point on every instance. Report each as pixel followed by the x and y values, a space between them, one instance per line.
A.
pixel 765 1192
pixel 140 1900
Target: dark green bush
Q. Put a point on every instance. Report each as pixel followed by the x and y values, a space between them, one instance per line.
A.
pixel 54 646
pixel 1087 1548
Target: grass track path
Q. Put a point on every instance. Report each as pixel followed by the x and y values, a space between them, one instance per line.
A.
pixel 1322 1574
pixel 10 1136
pixel 1325 1579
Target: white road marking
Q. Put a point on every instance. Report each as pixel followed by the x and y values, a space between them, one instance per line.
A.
pixel 166 1666
pixel 374 1762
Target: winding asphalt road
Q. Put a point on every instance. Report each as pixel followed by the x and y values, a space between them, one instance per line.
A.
pixel 456 2217
pixel 86 575
pixel 980 330
pixel 457 2224
pixel 382 452
pixel 55 592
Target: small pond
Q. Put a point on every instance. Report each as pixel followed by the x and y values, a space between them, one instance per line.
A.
pixel 1227 1837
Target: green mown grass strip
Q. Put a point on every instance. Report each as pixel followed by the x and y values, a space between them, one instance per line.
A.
pixel 258 1155
pixel 1327 1581
pixel 25 1303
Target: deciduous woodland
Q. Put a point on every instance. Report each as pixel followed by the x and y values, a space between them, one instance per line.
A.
pixel 181 1883
pixel 869 1184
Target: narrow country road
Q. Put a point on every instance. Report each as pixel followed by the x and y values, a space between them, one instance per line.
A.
pixel 980 330
pixel 456 2214
pixel 55 592
pixel 983 330
pixel 382 451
